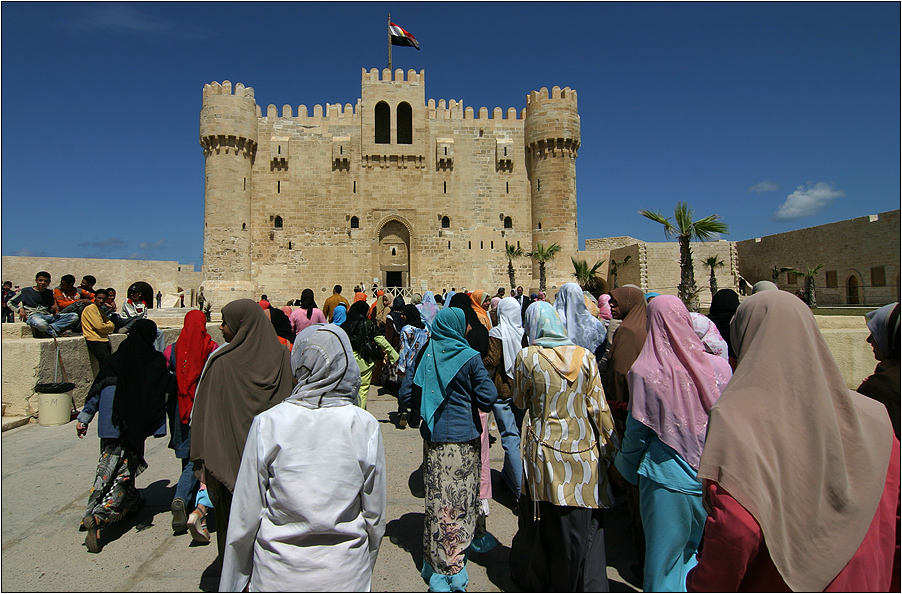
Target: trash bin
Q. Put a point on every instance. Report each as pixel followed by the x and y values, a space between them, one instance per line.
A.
pixel 54 403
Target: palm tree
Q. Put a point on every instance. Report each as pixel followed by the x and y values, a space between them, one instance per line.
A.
pixel 713 262
pixel 511 252
pixel 776 272
pixel 615 266
pixel 542 255
pixel 809 273
pixel 587 277
pixel 685 230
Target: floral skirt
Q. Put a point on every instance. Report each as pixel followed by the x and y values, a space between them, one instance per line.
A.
pixel 114 494
pixel 451 476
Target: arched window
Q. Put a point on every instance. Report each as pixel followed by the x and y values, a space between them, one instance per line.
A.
pixel 277 222
pixel 508 223
pixel 405 123
pixel 383 123
pixel 394 252
pixel 446 222
pixel 355 223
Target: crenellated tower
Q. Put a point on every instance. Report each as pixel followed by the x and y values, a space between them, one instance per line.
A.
pixel 552 141
pixel 228 135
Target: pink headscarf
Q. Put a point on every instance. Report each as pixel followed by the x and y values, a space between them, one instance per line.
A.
pixel 495 301
pixel 674 382
pixel 604 306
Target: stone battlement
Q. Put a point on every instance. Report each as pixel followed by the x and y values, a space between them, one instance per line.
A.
pixel 374 75
pixel 225 88
pixel 557 95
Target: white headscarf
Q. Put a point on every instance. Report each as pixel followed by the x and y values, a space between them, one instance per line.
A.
pixel 582 327
pixel 323 363
pixel 510 331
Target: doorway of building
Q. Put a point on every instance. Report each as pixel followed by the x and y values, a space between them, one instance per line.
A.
pixel 852 290
pixel 394 254
pixel 393 278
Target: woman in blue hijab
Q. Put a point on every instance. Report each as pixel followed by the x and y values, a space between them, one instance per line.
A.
pixel 450 383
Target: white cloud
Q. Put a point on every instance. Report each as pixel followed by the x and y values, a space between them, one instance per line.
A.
pixel 146 245
pixel 765 186
pixel 111 243
pixel 28 252
pixel 805 202
pixel 125 18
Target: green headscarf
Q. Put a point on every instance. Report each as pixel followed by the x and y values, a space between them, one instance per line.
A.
pixel 444 355
pixel 544 327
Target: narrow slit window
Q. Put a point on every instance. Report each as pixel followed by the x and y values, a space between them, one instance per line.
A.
pixel 355 187
pixel 469 245
pixel 245 183
pixel 278 187
pixel 518 244
pixel 243 226
pixel 444 187
pixel 449 245
pixel 538 185
pixel 540 226
pixel 480 245
pixel 492 245
pixel 394 252
pixel 507 187
pixel 289 245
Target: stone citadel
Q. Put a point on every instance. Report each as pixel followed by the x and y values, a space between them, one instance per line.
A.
pixel 394 189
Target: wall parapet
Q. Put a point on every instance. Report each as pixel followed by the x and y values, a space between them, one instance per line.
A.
pixel 375 75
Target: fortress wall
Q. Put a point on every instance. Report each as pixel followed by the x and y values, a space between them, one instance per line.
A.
pixel 848 248
pixel 161 275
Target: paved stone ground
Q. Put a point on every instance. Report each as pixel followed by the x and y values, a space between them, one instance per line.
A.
pixel 47 473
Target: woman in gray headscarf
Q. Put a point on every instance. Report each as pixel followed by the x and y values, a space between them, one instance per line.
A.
pixel 883 385
pixel 309 503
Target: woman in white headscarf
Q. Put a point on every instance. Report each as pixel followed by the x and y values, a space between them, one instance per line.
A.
pixel 309 502
pixel 505 341
pixel 582 327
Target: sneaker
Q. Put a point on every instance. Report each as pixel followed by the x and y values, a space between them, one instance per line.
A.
pixel 179 516
pixel 402 420
pixel 197 526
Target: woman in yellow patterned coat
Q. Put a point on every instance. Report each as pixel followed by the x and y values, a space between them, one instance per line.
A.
pixel 569 444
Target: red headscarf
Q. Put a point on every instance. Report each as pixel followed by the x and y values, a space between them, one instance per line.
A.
pixel 192 348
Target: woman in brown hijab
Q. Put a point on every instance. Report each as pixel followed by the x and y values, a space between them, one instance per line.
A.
pixel 248 375
pixel 628 305
pixel 801 474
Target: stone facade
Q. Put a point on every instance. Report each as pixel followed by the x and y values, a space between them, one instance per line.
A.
pixel 861 259
pixel 393 189
pixel 166 276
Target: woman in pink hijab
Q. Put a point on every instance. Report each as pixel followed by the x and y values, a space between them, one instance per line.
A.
pixel 672 384
pixel 604 306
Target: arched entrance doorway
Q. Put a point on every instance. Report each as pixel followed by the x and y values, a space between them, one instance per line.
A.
pixel 852 292
pixel 394 254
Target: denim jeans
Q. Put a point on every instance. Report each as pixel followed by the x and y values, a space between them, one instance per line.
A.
pixel 180 441
pixel 186 488
pixel 53 324
pixel 509 418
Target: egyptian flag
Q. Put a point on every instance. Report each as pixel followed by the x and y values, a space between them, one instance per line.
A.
pixel 401 37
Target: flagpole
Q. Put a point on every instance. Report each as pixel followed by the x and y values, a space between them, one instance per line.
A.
pixel 389 42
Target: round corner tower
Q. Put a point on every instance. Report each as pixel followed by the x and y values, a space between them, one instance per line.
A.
pixel 552 141
pixel 228 135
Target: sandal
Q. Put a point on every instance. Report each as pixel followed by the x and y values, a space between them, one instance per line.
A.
pixel 92 540
pixel 197 526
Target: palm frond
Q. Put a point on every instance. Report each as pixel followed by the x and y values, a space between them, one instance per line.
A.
pixel 657 217
pixel 704 229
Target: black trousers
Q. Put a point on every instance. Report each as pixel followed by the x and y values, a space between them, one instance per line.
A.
pixel 560 551
pixel 100 349
pixel 222 505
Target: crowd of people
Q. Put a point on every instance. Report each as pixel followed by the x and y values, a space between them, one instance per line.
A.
pixel 729 440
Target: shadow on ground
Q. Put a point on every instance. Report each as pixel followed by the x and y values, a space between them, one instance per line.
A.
pixel 407 533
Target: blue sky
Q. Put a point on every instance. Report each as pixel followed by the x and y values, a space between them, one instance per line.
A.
pixel 776 116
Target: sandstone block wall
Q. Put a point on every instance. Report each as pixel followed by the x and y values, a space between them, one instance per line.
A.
pixel 165 276
pixel 849 250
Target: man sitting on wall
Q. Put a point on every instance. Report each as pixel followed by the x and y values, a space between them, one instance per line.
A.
pixel 38 310
pixel 68 297
pixel 333 301
pixel 96 325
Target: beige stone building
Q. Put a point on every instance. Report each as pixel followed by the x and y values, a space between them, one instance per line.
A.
pixel 393 189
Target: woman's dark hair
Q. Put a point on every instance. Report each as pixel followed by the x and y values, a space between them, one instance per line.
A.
pixel 307 301
pixel 478 336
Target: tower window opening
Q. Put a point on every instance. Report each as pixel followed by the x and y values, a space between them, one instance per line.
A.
pixel 518 244
pixel 355 187
pixel 446 150
pixel 341 150
pixel 449 245
pixel 469 245
pixel 540 226
pixel 243 226
pixel 405 123
pixel 355 223
pixel 446 223
pixel 279 149
pixel 444 187
pixel 507 187
pixel 278 187
pixel 277 223
pixel 492 245
pixel 383 123
pixel 538 185
pixel 508 223
pixel 505 151
pixel 394 252
pixel 245 183
pixel 289 245
pixel 480 245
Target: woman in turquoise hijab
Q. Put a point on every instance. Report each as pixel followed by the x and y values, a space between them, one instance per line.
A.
pixel 450 383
